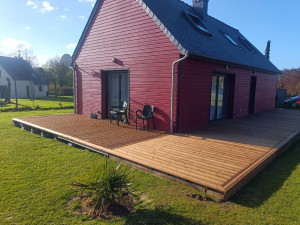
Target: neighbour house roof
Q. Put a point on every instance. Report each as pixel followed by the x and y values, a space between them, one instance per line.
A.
pixel 213 39
pixel 19 69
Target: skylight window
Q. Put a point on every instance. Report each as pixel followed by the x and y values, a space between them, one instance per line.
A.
pixel 231 40
pixel 196 21
pixel 248 45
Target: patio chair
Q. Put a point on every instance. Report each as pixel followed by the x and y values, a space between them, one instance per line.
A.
pixel 147 114
pixel 119 111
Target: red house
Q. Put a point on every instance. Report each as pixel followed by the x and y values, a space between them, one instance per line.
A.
pixel 192 67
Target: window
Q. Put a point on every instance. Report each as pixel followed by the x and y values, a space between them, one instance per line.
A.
pixel 248 45
pixel 229 38
pixel 40 88
pixel 196 21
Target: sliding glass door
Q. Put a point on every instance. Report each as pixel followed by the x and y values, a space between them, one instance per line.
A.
pixel 219 97
pixel 117 88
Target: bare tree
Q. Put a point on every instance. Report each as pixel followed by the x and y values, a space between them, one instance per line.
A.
pixel 28 55
pixel 290 80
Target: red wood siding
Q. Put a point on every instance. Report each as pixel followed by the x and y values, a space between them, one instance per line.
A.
pixel 123 30
pixel 194 97
pixel 265 98
pixel 195 91
pixel 265 95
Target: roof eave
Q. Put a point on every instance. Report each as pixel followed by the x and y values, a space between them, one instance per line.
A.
pixel 275 72
pixel 11 74
pixel 163 28
pixel 148 11
pixel 86 30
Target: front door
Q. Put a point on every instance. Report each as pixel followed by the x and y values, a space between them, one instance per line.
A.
pixel 117 88
pixel 219 97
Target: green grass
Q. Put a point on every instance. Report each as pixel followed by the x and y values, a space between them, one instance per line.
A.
pixel 36 173
pixel 44 103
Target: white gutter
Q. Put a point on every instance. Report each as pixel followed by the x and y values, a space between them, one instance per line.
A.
pixel 173 87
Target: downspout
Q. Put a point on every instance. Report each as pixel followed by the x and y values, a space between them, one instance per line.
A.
pixel 74 91
pixel 173 87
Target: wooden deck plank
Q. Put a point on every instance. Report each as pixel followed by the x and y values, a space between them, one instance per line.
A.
pixel 222 157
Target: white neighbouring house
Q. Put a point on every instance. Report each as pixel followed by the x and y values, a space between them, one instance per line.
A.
pixel 23 79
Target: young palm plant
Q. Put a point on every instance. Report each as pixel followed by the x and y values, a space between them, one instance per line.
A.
pixel 107 185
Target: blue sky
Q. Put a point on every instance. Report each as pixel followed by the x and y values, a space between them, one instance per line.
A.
pixel 53 27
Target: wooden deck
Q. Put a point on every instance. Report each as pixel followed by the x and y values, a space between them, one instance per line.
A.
pixel 219 159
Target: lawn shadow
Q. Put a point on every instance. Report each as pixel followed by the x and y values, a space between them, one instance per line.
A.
pixel 56 99
pixel 270 180
pixel 159 215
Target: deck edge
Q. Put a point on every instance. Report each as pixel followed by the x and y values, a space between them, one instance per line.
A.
pixel 279 148
pixel 217 193
pixel 229 189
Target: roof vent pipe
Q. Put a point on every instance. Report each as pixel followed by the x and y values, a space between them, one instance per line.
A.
pixel 201 7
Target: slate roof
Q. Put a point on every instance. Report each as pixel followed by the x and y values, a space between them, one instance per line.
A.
pixel 171 17
pixel 19 69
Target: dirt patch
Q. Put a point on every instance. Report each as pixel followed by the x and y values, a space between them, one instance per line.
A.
pixel 83 205
pixel 144 199
pixel 200 197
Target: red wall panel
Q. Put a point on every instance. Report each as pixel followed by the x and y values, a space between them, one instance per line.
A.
pixel 194 97
pixel 123 30
pixel 265 92
pixel 195 91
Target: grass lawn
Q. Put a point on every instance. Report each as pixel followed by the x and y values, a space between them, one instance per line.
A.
pixel 35 174
pixel 63 102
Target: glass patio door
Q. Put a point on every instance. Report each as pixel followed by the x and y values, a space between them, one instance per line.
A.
pixel 117 88
pixel 219 97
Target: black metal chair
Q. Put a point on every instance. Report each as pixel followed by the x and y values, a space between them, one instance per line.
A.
pixel 119 111
pixel 147 114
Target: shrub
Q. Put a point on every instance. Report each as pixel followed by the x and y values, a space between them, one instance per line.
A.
pixel 3 104
pixel 107 186
pixel 37 107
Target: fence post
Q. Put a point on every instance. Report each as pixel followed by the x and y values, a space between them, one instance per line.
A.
pixel 16 92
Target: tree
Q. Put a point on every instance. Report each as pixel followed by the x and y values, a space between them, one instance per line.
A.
pixel 290 80
pixel 28 56
pixel 44 75
pixel 8 90
pixel 268 49
pixel 61 75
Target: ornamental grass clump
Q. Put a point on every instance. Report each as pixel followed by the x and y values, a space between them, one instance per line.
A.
pixel 107 186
